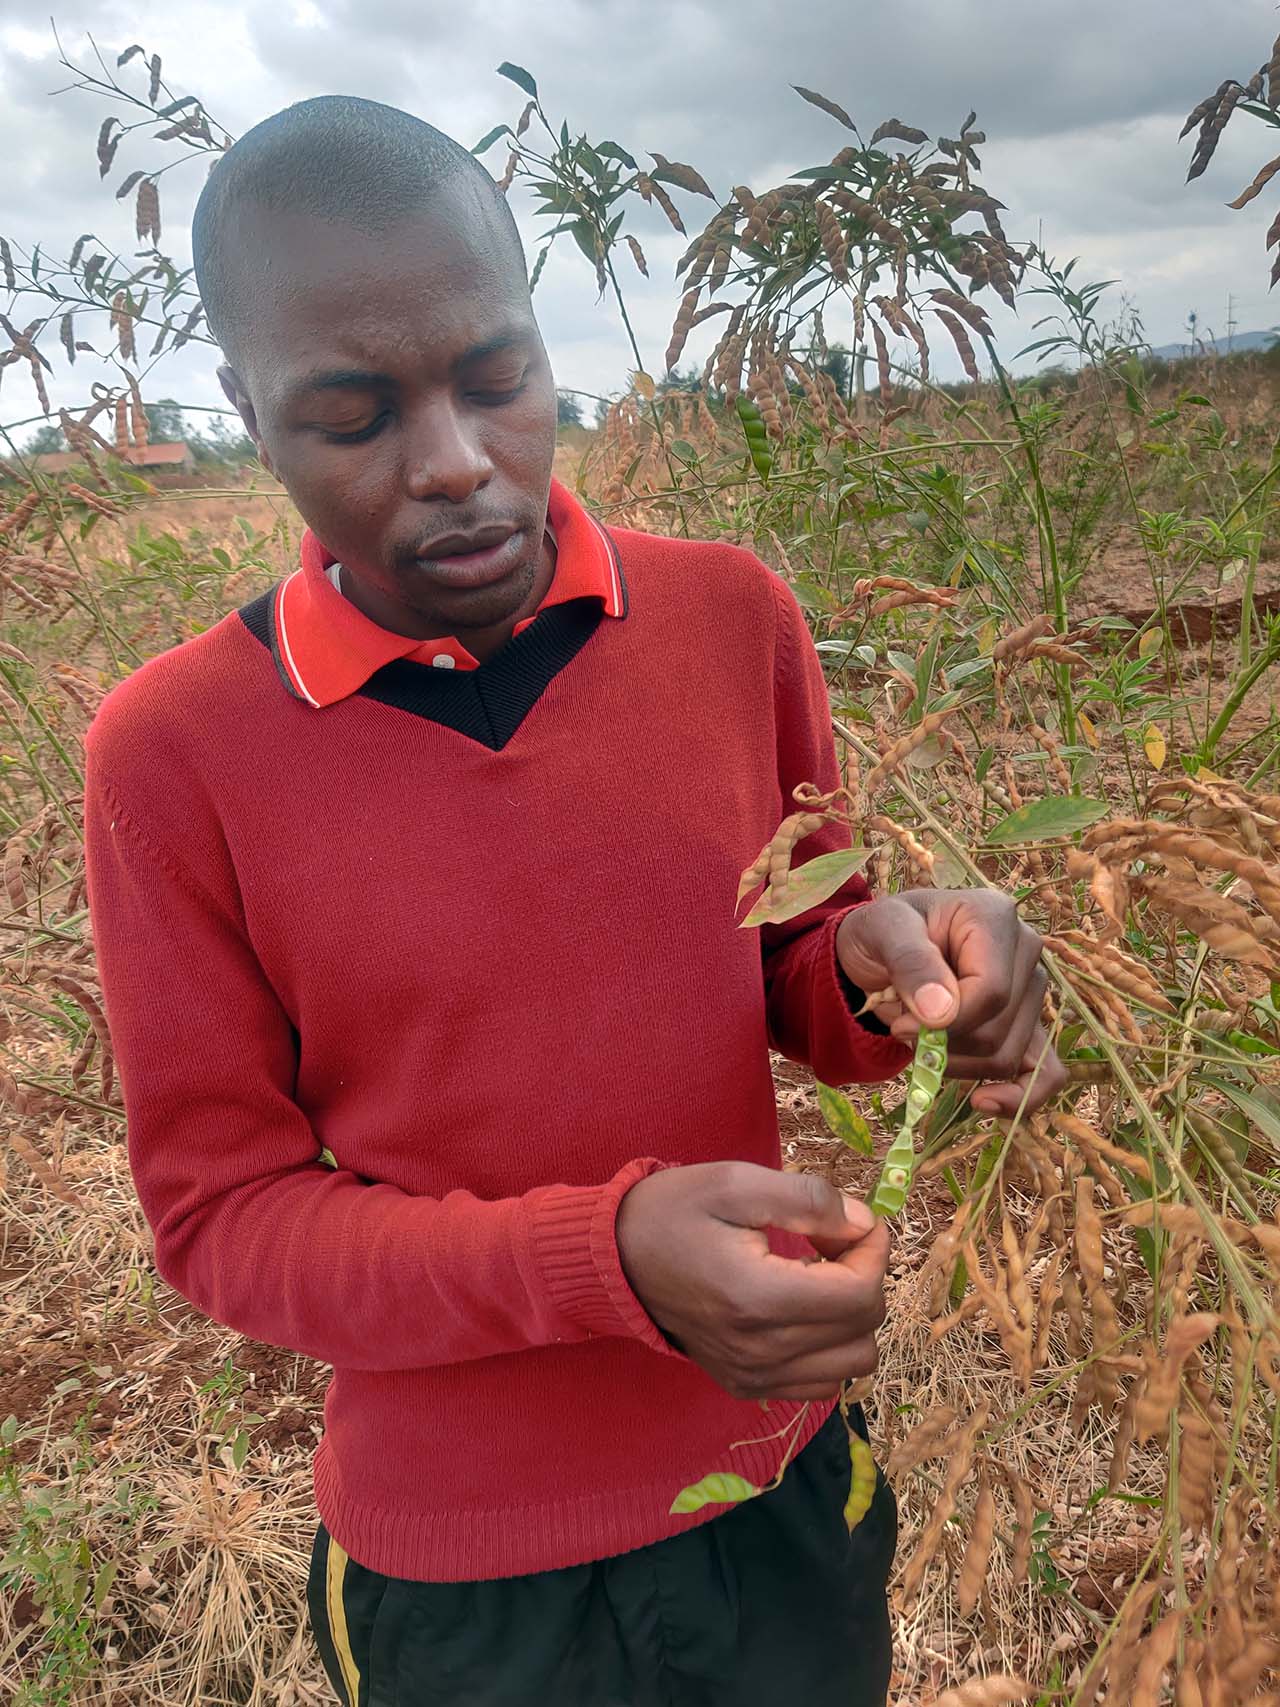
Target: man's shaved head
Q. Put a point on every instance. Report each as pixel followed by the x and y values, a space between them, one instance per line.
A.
pixel 364 278
pixel 339 158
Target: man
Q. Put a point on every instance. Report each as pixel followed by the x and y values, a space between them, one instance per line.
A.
pixel 426 859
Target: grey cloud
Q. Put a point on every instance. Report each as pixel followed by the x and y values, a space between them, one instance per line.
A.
pixel 1082 102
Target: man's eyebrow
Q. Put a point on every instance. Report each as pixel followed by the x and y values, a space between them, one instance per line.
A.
pixel 339 379
pixel 362 379
pixel 495 347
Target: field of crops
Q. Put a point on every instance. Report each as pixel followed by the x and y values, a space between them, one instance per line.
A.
pixel 1050 617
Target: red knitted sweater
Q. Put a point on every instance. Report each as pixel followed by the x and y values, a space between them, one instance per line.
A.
pixel 483 950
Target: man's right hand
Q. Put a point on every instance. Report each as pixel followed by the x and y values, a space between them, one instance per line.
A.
pixel 694 1251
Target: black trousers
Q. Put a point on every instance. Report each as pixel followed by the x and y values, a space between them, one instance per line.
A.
pixel 774 1603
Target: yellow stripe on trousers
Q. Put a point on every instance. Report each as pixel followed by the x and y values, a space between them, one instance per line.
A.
pixel 337 1569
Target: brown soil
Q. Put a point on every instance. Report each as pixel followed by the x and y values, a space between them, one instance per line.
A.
pixel 1120 583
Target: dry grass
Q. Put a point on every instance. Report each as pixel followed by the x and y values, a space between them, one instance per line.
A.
pixel 200 1500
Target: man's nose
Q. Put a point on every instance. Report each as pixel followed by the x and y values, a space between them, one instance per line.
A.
pixel 445 455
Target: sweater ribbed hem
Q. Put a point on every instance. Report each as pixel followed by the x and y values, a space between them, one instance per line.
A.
pixel 514 1540
pixel 576 1250
pixel 879 1055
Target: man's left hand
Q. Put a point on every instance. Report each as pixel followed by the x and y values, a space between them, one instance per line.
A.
pixel 963 961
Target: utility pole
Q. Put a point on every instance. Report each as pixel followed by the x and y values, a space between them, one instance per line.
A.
pixel 1231 319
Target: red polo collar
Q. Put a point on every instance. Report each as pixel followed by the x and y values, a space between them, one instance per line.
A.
pixel 327 648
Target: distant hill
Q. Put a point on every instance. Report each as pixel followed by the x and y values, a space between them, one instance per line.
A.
pixel 1241 342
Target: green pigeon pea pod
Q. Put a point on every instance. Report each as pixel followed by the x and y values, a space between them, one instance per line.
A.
pixel 927 1067
pixel 719 1488
pixel 862 1483
pixel 757 438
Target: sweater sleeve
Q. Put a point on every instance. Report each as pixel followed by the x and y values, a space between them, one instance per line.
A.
pixel 249 1224
pixel 810 1004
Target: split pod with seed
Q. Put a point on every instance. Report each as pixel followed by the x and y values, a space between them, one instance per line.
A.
pixel 927 1067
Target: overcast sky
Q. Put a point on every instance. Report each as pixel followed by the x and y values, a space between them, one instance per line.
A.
pixel 1082 101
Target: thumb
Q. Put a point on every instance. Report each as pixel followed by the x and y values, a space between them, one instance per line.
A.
pixel 898 937
pixel 759 1197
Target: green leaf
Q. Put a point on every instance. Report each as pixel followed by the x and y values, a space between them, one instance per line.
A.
pixel 719 1488
pixel 490 137
pixel 518 74
pixel 611 151
pixel 1043 820
pixel 807 885
pixel 240 1449
pixel 844 1120
pixel 103 1581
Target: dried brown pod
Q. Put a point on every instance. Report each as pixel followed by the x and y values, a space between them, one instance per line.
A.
pixel 15 522
pixel 1154 1659
pixel 927 1440
pixel 964 346
pixel 147 211
pixel 1089 1254
pixel 1091 1142
pixel 994 1295
pixel 1229 928
pixel 48 1175
pixel 882 365
pixel 652 190
pixel 1122 1441
pixel 940 1261
pixel 1260 182
pixel 138 424
pixel 1057 654
pixel 895 130
pixel 1200 1456
pixel 1019 639
pixel 972 313
pixel 959 1465
pixel 898 750
pixel 122 325
pixel 833 241
pixel 1122 1651
pixel 1174 842
pixel 977 1553
pixel 1242 1672
pixel 92 500
pixel 680 331
pixel 1158 1386
pixel 773 862
pixel 995 1691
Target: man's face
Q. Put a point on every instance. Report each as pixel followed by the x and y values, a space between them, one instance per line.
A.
pixel 398 386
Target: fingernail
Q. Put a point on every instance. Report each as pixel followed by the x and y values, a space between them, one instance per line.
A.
pixel 934 1002
pixel 857 1214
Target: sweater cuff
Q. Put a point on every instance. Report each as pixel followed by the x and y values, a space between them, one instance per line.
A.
pixel 576 1249
pixel 880 1055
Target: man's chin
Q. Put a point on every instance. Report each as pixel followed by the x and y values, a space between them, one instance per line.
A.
pixel 459 610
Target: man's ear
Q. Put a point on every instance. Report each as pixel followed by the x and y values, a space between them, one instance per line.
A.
pixel 235 393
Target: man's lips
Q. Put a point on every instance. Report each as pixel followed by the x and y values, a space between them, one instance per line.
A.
pixel 472 560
